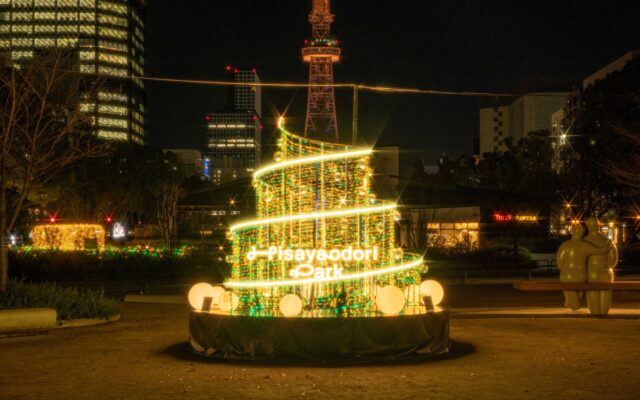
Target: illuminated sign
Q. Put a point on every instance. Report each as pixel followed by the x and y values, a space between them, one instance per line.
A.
pixel 119 231
pixel 311 255
pixel 308 270
pixel 498 217
pixel 308 256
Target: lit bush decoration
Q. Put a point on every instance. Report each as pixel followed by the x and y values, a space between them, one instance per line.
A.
pixel 320 233
pixel 68 237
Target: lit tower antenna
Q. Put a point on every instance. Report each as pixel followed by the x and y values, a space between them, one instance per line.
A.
pixel 321 51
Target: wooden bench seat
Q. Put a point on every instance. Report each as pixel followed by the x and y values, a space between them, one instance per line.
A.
pixel 557 285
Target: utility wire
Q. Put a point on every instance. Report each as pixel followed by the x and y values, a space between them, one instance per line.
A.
pixel 371 88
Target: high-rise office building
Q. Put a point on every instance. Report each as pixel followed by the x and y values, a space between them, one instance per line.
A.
pixel 108 39
pixel 234 135
pixel 529 113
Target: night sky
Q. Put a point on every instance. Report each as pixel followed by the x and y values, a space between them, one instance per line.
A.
pixel 493 46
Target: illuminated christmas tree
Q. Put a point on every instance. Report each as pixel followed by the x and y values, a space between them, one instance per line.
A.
pixel 320 234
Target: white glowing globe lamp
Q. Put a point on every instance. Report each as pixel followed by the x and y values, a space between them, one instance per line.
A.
pixel 434 289
pixel 228 301
pixel 197 294
pixel 217 292
pixel 290 305
pixel 390 300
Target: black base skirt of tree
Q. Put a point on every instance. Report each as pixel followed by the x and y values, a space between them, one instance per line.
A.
pixel 224 336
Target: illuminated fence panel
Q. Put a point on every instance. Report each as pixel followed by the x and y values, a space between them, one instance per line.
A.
pixel 68 237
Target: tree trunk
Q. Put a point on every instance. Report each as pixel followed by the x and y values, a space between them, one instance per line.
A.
pixel 516 256
pixel 4 250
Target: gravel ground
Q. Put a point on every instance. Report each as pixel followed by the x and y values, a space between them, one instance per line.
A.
pixel 144 356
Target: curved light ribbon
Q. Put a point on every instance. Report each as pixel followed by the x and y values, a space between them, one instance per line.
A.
pixel 351 211
pixel 311 160
pixel 395 268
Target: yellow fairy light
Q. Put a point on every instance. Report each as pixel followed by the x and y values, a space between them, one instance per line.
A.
pixel 310 160
pixel 366 210
pixel 320 233
pixel 291 282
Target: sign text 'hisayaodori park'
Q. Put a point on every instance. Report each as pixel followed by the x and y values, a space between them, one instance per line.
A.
pixel 307 258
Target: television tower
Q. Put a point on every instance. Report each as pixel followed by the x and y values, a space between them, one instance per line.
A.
pixel 321 52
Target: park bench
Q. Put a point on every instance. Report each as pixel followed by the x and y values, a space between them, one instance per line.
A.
pixel 559 286
pixel 556 285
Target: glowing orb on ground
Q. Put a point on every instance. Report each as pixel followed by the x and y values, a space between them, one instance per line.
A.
pixel 197 294
pixel 217 292
pixel 390 300
pixel 228 301
pixel 434 289
pixel 290 305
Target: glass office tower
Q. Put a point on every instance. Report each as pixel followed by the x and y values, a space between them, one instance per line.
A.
pixel 108 38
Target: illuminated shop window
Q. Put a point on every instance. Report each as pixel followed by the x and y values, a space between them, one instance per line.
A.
pixel 45 28
pixel 112 135
pixel 67 28
pixel 113 123
pixel 87 107
pixel 87 29
pixel 45 42
pixel 45 16
pixel 87 17
pixel 88 55
pixel 112 109
pixel 112 45
pixel 112 33
pixel 22 28
pixel 22 42
pixel 112 96
pixel 115 8
pixel 113 20
pixel 67 16
pixel 88 69
pixel 112 58
pixel 44 3
pixel 112 71
pixel 67 42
